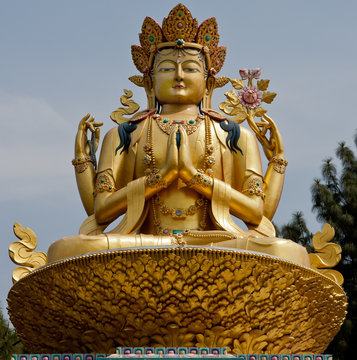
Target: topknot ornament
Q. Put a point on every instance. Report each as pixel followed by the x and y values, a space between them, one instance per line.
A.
pixel 151 34
pixel 179 25
pixel 208 34
pixel 178 30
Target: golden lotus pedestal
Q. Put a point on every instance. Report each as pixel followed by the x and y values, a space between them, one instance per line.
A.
pixel 176 296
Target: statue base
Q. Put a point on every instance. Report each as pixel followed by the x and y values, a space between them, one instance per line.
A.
pixel 201 296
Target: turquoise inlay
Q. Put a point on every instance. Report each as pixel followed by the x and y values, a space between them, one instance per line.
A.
pixel 207 38
pixel 192 121
pixel 166 121
pixel 151 38
pixel 177 231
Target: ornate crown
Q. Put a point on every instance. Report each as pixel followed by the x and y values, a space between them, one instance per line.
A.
pixel 179 30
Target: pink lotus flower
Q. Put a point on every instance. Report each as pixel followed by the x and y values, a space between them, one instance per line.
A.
pixel 250 97
pixel 244 73
pixel 255 73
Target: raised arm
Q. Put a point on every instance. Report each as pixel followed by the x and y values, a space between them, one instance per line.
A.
pixel 83 161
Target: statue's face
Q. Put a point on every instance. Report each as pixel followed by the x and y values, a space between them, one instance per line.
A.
pixel 179 77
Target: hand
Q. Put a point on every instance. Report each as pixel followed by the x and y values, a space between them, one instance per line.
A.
pixel 273 145
pixel 170 170
pixel 185 166
pixel 81 146
pixel 275 139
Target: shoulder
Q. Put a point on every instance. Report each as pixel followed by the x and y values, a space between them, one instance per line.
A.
pixel 214 115
pixel 142 115
pixel 111 135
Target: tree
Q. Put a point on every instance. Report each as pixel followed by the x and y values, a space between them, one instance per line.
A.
pixel 9 342
pixel 334 199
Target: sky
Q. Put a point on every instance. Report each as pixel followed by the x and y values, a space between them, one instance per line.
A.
pixel 60 60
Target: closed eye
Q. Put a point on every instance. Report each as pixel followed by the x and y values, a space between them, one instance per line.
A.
pixel 166 69
pixel 191 70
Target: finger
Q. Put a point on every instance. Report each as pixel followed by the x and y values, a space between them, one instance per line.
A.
pixel 172 136
pixel 97 124
pixel 83 121
pixel 97 136
pixel 90 124
pixel 184 137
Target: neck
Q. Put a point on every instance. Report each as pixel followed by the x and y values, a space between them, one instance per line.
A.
pixel 179 110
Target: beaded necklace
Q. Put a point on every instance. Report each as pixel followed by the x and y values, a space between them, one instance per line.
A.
pixel 166 126
pixel 157 203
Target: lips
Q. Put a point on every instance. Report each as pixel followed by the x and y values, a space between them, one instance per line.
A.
pixel 179 87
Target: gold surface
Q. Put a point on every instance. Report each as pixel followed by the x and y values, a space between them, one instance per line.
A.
pixel 184 296
pixel 328 254
pixel 176 296
pixel 22 252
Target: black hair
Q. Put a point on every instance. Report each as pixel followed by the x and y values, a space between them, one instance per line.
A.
pixel 233 130
pixel 124 131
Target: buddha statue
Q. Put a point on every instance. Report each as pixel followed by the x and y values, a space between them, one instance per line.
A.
pixel 179 170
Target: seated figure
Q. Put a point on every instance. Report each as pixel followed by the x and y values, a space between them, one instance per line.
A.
pixel 179 170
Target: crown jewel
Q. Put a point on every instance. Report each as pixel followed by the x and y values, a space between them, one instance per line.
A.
pixel 179 29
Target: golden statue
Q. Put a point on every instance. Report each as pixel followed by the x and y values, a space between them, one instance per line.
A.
pixel 179 169
pixel 177 172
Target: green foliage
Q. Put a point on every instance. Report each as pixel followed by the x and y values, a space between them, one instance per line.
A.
pixel 9 342
pixel 334 199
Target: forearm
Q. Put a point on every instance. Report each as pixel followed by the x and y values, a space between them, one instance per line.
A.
pixel 109 206
pixel 85 177
pixel 248 208
pixel 273 184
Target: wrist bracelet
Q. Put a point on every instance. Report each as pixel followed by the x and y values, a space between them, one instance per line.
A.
pixel 199 179
pixel 155 180
pixel 279 164
pixel 81 163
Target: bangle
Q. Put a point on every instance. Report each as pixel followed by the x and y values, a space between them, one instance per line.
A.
pixel 104 182
pixel 279 164
pixel 255 187
pixel 155 180
pixel 199 179
pixel 81 163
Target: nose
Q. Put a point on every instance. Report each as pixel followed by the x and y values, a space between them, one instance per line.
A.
pixel 179 72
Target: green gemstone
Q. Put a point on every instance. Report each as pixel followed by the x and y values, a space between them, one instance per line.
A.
pixel 207 38
pixel 110 187
pixel 151 181
pixel 166 121
pixel 177 231
pixel 179 42
pixel 151 38
pixel 192 121
pixel 102 180
pixel 257 184
pixel 205 180
pixel 179 14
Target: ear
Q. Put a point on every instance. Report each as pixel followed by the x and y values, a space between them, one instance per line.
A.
pixel 206 101
pixel 148 85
